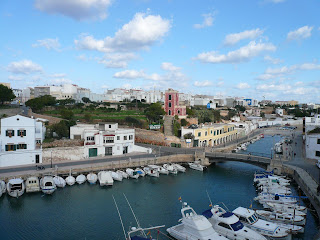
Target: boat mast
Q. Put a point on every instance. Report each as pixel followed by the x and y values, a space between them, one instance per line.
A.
pixel 124 232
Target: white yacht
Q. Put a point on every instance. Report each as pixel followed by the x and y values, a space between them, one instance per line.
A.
pixel 70 180
pixel 116 176
pixel 271 230
pixel 140 172
pixel 47 185
pixel 81 179
pixel 286 207
pixel 59 181
pixel 105 178
pixel 3 187
pixel 170 168
pixel 152 172
pixel 196 166
pixel 32 184
pixel 228 225
pixel 124 175
pixel 92 178
pixel 179 167
pixel 15 187
pixel 288 218
pixel 132 173
pixel 193 227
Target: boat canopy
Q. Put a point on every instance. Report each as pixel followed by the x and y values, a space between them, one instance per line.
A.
pixel 227 214
pixel 237 226
pixel 207 213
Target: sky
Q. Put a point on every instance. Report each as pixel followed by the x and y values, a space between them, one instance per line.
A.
pixel 261 49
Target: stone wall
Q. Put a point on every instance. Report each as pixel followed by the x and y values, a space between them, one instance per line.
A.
pixel 62 154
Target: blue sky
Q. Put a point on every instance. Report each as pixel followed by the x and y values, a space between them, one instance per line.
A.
pixel 255 49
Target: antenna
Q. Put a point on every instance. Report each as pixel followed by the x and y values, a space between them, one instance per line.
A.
pixel 138 224
pixel 124 232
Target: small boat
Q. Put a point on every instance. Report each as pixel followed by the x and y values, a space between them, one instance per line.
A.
pixel 293 229
pixel 32 184
pixel 81 179
pixel 59 181
pixel 275 190
pixel 15 187
pixel 92 178
pixel 3 187
pixel 193 227
pixel 70 180
pixel 170 168
pixel 288 218
pixel 153 172
pixel 179 167
pixel 140 233
pixel 229 225
pixel 286 207
pixel 47 185
pixel 132 173
pixel 140 172
pixel 105 178
pixel 196 166
pixel 274 198
pixel 116 176
pixel 160 169
pixel 124 175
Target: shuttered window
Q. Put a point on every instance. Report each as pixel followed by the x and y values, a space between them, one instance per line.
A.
pixel 10 133
pixel 11 147
pixel 22 133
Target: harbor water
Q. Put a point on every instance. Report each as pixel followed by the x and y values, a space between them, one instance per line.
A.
pixel 88 211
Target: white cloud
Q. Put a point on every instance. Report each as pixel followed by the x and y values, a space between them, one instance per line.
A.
pixel 300 33
pixel 126 86
pixel 220 83
pixel 233 38
pixel 130 74
pixel 58 75
pixel 49 43
pixel 76 9
pixel 15 78
pixel 60 81
pixel 207 21
pixel 117 60
pixel 202 84
pixel 82 57
pixel 272 60
pixel 265 76
pixel 273 87
pixel 140 33
pixel 243 86
pixel 298 84
pixel 299 91
pixel 245 53
pixel 24 67
pixel 167 66
pixel 277 1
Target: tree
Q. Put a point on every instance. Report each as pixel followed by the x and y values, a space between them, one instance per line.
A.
pixel 37 104
pixel 190 112
pixel 240 108
pixel 184 122
pixel 85 100
pixel 176 128
pixel 61 129
pixel 6 94
pixel 66 114
pixel 88 117
pixel 188 136
pixel 155 112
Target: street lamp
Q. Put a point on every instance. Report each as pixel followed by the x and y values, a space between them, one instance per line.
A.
pixel 51 159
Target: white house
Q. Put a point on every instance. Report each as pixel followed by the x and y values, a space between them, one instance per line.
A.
pixel 313 145
pixel 279 111
pixel 20 141
pixel 105 139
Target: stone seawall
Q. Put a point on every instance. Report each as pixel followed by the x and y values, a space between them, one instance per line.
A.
pixel 62 154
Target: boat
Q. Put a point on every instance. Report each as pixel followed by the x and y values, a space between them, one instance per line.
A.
pixel 105 178
pixel 286 207
pixel 70 180
pixel 140 172
pixel 293 229
pixel 275 190
pixel 124 174
pixel 196 166
pixel 179 167
pixel 47 185
pixel 152 172
pixel 32 184
pixel 269 229
pixel 116 176
pixel 229 225
pixel 3 187
pixel 273 181
pixel 160 169
pixel 15 187
pixel 92 178
pixel 132 173
pixel 140 233
pixel 288 218
pixel 81 179
pixel 59 181
pixel 193 226
pixel 274 198
pixel 170 168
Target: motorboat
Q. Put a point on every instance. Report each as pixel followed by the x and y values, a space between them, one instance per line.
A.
pixel 124 174
pixel 105 178
pixel 273 180
pixel 70 180
pixel 15 187
pixel 291 228
pixel 47 185
pixel 140 172
pixel 286 207
pixel 171 169
pixel 179 167
pixel 59 181
pixel 140 233
pixel 275 190
pixel 116 176
pixel 92 178
pixel 274 198
pixel 132 173
pixel 229 225
pixel 153 172
pixel 196 166
pixel 288 218
pixel 81 179
pixel 269 229
pixel 32 184
pixel 193 226
pixel 160 169
pixel 3 187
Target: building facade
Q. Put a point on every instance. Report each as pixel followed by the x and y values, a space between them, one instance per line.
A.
pixel 20 141
pixel 312 144
pixel 172 105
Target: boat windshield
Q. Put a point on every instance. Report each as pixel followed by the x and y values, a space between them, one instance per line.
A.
pixel 252 219
pixel 237 226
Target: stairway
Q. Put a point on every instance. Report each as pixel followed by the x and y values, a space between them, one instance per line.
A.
pixel 168 125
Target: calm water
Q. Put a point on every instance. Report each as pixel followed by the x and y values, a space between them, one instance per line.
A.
pixel 88 211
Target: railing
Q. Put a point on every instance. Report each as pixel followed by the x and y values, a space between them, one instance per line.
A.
pixel 237 156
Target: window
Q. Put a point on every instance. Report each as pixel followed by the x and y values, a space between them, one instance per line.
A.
pixel 317 153
pixel 169 112
pixel 125 137
pixel 118 137
pixel 169 97
pixel 108 151
pixel 211 132
pixel 214 133
pixel 169 104
pixel 38 141
pixel 22 133
pixel 10 133
pixel 22 146
pixel 199 134
pixel 11 147
pixel 218 132
pixel 130 137
pixel 206 133
pixel 108 139
pixel 224 225
pixel 109 126
pixel 90 138
pixel 318 141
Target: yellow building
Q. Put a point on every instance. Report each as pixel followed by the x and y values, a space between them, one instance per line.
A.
pixel 212 134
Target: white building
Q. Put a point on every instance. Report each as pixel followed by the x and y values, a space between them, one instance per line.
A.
pixel 20 141
pixel 313 145
pixel 279 111
pixel 105 139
